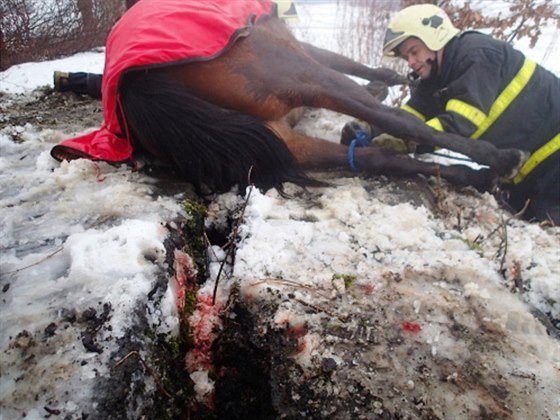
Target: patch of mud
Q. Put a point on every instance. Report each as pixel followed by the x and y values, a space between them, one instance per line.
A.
pixel 378 362
pixel 44 109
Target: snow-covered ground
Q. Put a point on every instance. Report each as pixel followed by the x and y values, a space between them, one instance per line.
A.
pixel 79 235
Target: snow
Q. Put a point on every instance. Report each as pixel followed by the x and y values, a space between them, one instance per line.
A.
pixel 95 232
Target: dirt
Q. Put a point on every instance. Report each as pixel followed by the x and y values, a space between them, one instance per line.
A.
pixel 45 108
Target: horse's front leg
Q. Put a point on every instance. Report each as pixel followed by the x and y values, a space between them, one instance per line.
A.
pixel 345 65
pixel 403 125
pixel 377 160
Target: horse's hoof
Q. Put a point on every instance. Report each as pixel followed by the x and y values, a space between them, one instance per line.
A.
pixel 511 161
pixel 485 180
pixel 378 89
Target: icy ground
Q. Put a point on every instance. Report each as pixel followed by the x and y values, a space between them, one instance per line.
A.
pixel 368 298
pixel 375 281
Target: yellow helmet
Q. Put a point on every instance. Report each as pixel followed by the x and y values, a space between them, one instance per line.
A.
pixel 427 22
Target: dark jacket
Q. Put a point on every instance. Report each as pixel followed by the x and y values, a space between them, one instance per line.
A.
pixel 488 90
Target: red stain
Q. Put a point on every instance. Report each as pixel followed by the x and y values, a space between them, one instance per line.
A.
pixel 185 276
pixel 301 346
pixel 211 400
pixel 412 327
pixel 368 289
pixel 204 324
pixel 297 331
pixel 98 176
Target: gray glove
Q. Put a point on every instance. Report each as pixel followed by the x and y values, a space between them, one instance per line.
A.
pixel 390 142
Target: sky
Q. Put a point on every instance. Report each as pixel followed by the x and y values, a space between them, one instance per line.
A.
pixel 83 233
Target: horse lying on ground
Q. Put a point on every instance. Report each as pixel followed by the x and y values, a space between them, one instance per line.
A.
pixel 219 116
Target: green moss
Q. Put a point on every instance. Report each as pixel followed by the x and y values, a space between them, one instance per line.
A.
pixel 474 245
pixel 195 236
pixel 347 278
pixel 197 213
pixel 168 363
pixel 190 303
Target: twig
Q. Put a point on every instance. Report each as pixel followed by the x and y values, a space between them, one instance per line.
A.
pixel 438 190
pixel 514 33
pixel 515 216
pixel 60 248
pixel 148 369
pixel 321 309
pixel 503 226
pixel 291 283
pixel 56 251
pixel 235 234
pixel 505 242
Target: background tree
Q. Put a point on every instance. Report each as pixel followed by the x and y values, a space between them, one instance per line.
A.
pixel 34 30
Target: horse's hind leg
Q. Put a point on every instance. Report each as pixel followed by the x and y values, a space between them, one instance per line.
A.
pixel 313 153
pixel 268 73
pixel 286 73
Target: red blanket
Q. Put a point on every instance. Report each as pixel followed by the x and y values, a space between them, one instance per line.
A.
pixel 154 32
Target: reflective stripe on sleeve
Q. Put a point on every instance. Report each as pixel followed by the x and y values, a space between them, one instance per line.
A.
pixel 471 113
pixel 412 111
pixel 537 157
pixel 507 96
pixel 435 124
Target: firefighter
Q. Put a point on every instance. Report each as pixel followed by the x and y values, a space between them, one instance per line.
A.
pixel 476 86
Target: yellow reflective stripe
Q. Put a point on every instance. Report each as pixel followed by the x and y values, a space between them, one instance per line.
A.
pixel 507 96
pixel 537 157
pixel 471 113
pixel 412 111
pixel 435 124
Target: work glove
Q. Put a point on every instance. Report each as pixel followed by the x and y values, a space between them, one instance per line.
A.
pixel 375 136
pixel 390 142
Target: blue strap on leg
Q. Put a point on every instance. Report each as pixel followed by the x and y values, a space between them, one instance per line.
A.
pixel 361 140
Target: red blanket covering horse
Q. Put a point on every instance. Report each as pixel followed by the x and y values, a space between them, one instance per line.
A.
pixel 205 86
pixel 156 32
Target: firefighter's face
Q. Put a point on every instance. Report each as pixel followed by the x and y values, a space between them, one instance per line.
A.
pixel 420 59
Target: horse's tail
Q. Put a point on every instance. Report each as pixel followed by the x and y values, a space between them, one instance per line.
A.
pixel 208 145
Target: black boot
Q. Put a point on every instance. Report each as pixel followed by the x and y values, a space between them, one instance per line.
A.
pixel 80 83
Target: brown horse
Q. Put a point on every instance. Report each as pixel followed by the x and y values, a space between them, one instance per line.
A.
pixel 218 120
